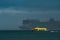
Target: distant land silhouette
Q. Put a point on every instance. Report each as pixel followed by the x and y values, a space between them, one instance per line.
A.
pixel 30 24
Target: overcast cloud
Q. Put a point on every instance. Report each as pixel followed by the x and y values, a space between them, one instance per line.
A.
pixel 12 12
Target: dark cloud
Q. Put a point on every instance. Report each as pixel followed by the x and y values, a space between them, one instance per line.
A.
pixel 33 4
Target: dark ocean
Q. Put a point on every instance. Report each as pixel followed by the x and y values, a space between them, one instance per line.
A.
pixel 29 35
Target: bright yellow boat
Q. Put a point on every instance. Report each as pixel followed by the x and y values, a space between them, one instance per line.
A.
pixel 40 29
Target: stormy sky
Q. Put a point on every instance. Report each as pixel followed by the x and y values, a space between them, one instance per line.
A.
pixel 12 12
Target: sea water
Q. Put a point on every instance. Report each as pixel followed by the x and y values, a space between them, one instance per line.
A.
pixel 29 35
